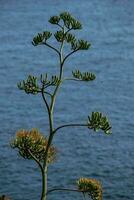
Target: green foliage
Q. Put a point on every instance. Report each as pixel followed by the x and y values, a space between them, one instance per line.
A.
pixel 70 38
pixel 54 19
pixel 98 121
pixel 86 76
pixel 80 45
pixel 59 35
pixel 70 22
pixel 90 186
pixel 54 81
pixel 41 37
pixel 30 86
pixel 33 144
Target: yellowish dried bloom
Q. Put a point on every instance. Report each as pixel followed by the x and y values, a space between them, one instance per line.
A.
pixel 33 143
pixel 90 186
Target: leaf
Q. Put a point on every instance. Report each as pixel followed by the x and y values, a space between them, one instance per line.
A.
pixel 85 76
pixel 54 19
pixel 75 24
pixel 98 121
pixel 83 45
pixel 30 85
pixel 70 22
pixel 70 38
pixel 54 81
pixel 41 37
pixel 59 35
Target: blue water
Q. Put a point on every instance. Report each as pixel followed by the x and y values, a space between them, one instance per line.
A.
pixel 109 26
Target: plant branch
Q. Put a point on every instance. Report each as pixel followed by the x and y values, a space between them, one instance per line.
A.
pixel 72 79
pixel 72 52
pixel 60 26
pixel 69 125
pixel 48 110
pixel 48 93
pixel 68 31
pixel 62 189
pixel 44 98
pixel 48 45
pixel 36 160
pixel 51 134
pixel 60 75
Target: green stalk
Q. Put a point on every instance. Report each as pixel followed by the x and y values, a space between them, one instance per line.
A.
pixel 44 184
pixel 44 176
pixel 51 133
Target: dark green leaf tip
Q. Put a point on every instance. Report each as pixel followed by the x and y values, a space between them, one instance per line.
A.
pixel 54 19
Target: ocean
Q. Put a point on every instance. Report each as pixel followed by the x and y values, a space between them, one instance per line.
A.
pixel 109 26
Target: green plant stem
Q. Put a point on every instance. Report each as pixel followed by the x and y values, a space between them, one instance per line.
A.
pixel 51 47
pixel 72 52
pixel 48 93
pixel 51 132
pixel 72 79
pixel 44 184
pixel 70 125
pixel 44 176
pixel 36 160
pixel 62 189
pixel 48 110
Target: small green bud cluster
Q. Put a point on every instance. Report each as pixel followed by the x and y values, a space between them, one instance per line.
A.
pixel 59 35
pixel 86 76
pixel 54 19
pixel 80 45
pixel 53 82
pixel 70 38
pixel 41 37
pixel 64 21
pixel 98 121
pixel 69 21
pixel 30 85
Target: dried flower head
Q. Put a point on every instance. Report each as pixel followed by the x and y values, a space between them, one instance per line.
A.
pixel 33 143
pixel 90 186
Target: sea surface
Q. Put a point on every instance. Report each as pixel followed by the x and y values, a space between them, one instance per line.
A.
pixel 109 26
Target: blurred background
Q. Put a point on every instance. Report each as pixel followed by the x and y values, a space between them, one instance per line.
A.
pixel 109 26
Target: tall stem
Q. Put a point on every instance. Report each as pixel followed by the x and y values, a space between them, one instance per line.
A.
pixel 51 133
pixel 44 183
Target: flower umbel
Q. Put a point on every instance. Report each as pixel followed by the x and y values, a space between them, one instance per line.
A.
pixel 33 143
pixel 90 186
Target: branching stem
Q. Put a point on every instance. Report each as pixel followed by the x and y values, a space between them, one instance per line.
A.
pixel 36 160
pixel 48 45
pixel 69 125
pixel 50 109
pixel 63 190
pixel 51 133
pixel 48 93
pixel 72 52
pixel 72 79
